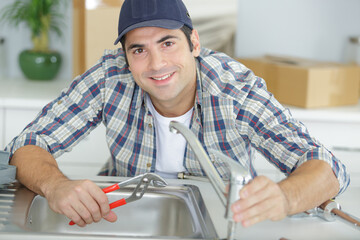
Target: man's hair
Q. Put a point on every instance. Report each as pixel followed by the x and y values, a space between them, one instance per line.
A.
pixel 185 29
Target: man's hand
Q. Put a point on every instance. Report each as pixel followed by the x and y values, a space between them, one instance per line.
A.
pixel 82 201
pixel 260 199
pixel 311 184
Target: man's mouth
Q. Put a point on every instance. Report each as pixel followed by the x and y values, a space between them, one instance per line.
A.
pixel 163 77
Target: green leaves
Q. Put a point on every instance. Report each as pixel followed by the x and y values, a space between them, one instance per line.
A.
pixel 41 16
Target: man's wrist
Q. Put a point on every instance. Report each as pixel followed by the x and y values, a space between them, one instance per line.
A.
pixel 48 186
pixel 288 202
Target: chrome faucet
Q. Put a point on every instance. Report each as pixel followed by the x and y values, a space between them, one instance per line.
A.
pixel 239 175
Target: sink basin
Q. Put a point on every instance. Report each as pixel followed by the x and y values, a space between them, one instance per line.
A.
pixel 170 212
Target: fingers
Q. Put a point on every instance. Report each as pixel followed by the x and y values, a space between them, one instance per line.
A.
pixel 101 200
pixel 81 201
pixel 94 201
pixel 87 207
pixel 111 217
pixel 72 214
pixel 257 190
pixel 261 199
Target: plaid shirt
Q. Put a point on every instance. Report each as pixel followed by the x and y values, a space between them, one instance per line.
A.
pixel 233 113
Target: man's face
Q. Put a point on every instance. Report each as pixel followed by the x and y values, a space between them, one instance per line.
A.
pixel 163 66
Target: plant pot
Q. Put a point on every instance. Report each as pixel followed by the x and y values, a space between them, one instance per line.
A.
pixel 40 65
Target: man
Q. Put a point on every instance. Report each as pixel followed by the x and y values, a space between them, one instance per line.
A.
pixel 161 74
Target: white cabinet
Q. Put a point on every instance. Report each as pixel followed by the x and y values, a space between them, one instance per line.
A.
pixel 15 120
pixel 335 135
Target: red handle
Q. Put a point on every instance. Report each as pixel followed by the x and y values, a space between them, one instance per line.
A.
pixel 111 188
pixel 118 203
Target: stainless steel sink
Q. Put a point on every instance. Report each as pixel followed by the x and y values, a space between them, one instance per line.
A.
pixel 170 212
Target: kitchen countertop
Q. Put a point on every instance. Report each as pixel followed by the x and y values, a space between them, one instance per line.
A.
pixel 289 228
pixel 343 114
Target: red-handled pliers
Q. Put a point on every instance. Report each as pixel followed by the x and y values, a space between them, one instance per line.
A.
pixel 146 179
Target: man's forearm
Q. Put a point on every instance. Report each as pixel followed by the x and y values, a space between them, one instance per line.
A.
pixel 36 168
pixel 309 186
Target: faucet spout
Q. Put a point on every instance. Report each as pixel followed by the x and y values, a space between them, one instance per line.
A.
pixel 239 175
pixel 203 158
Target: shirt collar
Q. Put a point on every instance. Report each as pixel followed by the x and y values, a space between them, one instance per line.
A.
pixel 138 96
pixel 198 94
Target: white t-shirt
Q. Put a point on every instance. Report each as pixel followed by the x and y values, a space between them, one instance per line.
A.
pixel 170 147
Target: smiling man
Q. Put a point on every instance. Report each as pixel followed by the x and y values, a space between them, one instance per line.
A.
pixel 162 65
pixel 161 74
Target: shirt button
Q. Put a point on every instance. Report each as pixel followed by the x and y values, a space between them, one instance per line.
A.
pixel 150 125
pixel 290 125
pixel 148 165
pixel 59 102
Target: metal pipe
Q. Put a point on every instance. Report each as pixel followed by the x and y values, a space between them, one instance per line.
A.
pixel 346 218
pixel 182 175
pixel 331 210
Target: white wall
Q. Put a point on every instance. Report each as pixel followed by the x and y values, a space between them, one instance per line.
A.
pixel 316 29
pixel 18 39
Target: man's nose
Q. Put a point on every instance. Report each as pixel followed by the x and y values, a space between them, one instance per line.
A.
pixel 157 60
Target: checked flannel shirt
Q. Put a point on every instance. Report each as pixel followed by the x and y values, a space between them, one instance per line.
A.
pixel 233 113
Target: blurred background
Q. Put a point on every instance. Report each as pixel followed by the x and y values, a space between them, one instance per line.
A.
pixel 304 28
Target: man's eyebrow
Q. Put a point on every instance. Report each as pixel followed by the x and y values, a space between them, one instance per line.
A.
pixel 166 38
pixel 135 45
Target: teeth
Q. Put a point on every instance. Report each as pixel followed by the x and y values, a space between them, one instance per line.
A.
pixel 162 78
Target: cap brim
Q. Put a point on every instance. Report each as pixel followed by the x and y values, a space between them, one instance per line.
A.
pixel 162 23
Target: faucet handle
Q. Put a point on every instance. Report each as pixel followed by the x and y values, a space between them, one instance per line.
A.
pixel 238 178
pixel 236 168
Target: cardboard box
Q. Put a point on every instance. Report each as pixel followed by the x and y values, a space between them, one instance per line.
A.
pixel 306 83
pixel 358 67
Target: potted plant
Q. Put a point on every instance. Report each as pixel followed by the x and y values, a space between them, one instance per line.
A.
pixel 41 16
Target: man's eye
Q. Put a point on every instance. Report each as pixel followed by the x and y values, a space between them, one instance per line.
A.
pixel 138 51
pixel 168 44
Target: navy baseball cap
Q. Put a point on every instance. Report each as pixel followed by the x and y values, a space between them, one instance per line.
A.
pixel 170 14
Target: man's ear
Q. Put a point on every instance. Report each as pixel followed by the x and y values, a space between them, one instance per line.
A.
pixel 195 40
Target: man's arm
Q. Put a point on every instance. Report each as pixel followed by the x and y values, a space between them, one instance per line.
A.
pixel 311 184
pixel 82 201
